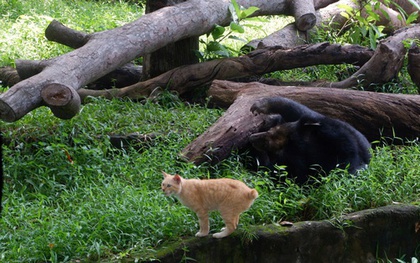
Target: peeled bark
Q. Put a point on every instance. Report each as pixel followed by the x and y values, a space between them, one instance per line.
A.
pixel 290 35
pixel 257 62
pixel 414 65
pixel 376 115
pixel 329 17
pixel 304 13
pixel 99 56
pixel 382 67
pixel 385 64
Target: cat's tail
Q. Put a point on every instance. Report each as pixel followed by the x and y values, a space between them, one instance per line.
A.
pixel 253 194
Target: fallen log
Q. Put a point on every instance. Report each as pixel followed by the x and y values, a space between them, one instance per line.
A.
pixel 413 65
pixel 258 62
pixel 377 115
pixel 385 64
pixel 291 35
pixel 329 17
pixel 99 56
pixel 381 68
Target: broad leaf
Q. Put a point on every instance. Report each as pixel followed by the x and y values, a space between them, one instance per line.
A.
pixel 236 27
pixel 217 32
pixel 247 12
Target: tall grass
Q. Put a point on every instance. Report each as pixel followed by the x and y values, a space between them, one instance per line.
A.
pixel 71 196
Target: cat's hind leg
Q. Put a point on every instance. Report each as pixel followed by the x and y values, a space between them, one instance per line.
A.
pixel 231 222
pixel 203 218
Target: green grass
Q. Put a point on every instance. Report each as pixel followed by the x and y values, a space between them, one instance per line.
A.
pixel 23 24
pixel 69 195
pixel 107 203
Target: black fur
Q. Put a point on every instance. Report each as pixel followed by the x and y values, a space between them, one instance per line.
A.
pixel 305 141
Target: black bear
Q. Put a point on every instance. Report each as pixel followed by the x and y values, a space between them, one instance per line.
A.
pixel 305 141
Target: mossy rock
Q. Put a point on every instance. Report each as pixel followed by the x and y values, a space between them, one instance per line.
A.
pixel 388 232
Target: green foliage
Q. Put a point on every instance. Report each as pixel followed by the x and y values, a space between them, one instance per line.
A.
pixel 70 196
pixel 364 29
pixel 213 48
pixel 23 24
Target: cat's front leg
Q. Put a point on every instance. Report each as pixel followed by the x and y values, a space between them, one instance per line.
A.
pixel 203 218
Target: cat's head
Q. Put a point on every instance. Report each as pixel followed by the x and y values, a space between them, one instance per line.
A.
pixel 171 184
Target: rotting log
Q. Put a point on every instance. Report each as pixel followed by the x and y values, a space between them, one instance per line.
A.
pixel 304 13
pixel 377 115
pixel 385 64
pixel 258 62
pixel 370 235
pixel 413 65
pixel 99 56
pixel 329 17
pixel 382 66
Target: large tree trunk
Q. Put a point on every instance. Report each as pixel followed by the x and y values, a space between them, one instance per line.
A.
pixel 99 56
pixel 172 55
pixel 377 115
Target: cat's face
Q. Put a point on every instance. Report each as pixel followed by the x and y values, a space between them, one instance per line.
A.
pixel 171 184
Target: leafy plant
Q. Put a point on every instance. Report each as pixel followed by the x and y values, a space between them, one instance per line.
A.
pixel 363 30
pixel 213 47
pixel 71 196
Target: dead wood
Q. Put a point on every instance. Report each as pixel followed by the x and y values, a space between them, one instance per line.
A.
pixel 385 64
pixel 173 55
pixel 258 62
pixel 382 67
pixel 99 56
pixel 413 66
pixel 290 35
pixel 121 77
pixel 304 13
pixel 59 33
pixel 63 101
pixel 329 17
pixel 8 76
pixel 376 115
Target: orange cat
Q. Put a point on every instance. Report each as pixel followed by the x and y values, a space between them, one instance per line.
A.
pixel 230 197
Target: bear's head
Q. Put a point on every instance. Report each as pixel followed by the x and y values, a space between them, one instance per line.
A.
pixel 274 139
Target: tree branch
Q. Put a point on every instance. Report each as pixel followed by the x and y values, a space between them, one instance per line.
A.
pixel 257 62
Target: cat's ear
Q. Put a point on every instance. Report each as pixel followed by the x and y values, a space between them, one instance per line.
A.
pixel 177 179
pixel 165 174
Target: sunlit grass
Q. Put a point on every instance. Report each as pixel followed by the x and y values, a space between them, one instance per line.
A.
pixel 23 25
